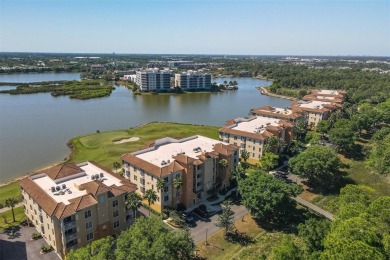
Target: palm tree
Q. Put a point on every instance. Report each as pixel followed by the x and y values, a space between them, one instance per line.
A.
pixel 299 129
pixel 11 202
pixel 134 201
pixel 160 188
pixel 116 166
pixel 223 163
pixel 177 184
pixel 151 197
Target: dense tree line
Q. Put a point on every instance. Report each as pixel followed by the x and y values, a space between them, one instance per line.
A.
pixel 147 238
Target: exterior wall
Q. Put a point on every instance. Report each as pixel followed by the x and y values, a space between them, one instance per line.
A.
pixel 255 147
pixel 153 80
pixel 41 219
pixel 313 118
pixel 54 230
pixel 191 193
pixel 192 81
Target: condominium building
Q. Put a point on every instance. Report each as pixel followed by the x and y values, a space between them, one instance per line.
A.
pixel 154 80
pixel 314 111
pixel 252 133
pixel 333 96
pixel 191 80
pixel 276 112
pixel 194 160
pixel 74 204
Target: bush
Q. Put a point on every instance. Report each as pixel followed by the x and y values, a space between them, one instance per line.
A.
pixel 36 236
pixel 46 248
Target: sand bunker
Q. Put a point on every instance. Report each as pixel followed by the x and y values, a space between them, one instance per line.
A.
pixel 131 139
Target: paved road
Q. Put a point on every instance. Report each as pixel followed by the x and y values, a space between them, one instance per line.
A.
pixel 314 208
pixel 199 231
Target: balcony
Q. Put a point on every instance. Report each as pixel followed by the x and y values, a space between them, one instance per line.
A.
pixel 70 225
pixel 71 237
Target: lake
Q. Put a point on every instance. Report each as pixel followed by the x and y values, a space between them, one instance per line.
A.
pixel 34 128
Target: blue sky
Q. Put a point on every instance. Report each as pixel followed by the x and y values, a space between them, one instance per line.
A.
pixel 197 27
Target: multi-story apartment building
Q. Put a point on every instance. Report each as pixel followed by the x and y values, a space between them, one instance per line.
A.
pixel 314 111
pixel 276 112
pixel 154 80
pixel 195 160
pixel 74 204
pixel 252 133
pixel 191 80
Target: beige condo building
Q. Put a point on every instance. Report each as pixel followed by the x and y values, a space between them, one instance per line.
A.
pixel 195 160
pixel 276 112
pixel 252 133
pixel 74 204
pixel 314 111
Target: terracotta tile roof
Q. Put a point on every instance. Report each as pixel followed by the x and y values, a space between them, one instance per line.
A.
pixel 61 171
pixel 225 149
pixel 47 203
pixel 93 189
pixel 261 112
pixel 151 168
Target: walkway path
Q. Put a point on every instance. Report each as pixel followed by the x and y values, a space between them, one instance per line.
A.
pixel 314 208
pixel 20 204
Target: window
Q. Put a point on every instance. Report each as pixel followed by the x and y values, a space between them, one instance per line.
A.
pixel 102 199
pixel 88 225
pixel 88 214
pixel 165 188
pixel 143 189
pixel 43 229
pixel 116 224
pixel 254 148
pixel 166 179
pixel 115 213
pixel 115 203
pixel 89 236
pixel 253 154
pixel 166 198
pixel 235 137
pixel 135 177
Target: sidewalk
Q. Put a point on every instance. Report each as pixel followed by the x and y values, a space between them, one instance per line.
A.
pixel 20 204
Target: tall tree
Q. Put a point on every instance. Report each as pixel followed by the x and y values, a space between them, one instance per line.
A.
pixel 245 156
pixel 268 161
pixel 226 218
pixel 101 249
pixel 319 164
pixel 10 203
pixel 150 238
pixel 299 129
pixel 177 184
pixel 160 188
pixel 323 126
pixel 116 166
pixel 313 232
pixel 134 202
pixel 343 135
pixel 151 197
pixel 268 198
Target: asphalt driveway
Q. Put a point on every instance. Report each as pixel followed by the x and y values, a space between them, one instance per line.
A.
pixel 16 245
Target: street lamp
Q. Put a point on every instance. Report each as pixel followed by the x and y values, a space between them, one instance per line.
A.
pixel 206 237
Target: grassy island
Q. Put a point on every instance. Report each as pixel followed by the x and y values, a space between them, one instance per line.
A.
pixel 100 147
pixel 85 89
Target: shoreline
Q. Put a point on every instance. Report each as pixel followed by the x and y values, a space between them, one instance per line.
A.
pixel 264 91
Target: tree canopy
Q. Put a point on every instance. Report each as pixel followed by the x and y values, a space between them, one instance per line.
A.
pixel 319 164
pixel 150 238
pixel 268 198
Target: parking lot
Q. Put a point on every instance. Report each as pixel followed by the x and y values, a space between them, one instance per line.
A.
pixel 15 244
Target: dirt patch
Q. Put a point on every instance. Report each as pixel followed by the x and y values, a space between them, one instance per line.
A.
pixel 131 139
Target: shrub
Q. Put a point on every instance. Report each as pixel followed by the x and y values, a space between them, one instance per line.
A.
pixel 46 248
pixel 36 236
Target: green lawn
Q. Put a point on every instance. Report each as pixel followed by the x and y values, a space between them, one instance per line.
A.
pixel 11 190
pixel 19 217
pixel 99 147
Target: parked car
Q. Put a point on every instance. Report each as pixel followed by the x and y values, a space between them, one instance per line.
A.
pixel 201 211
pixel 188 218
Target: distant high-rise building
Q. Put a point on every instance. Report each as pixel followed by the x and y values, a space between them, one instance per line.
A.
pixel 191 80
pixel 154 80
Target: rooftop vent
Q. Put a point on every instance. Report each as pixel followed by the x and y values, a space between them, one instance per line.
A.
pixel 93 177
pixel 101 175
pixel 58 188
pixel 63 186
pixel 96 176
pixel 53 189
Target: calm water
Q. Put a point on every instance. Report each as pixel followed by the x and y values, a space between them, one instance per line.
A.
pixel 34 128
